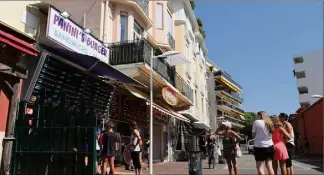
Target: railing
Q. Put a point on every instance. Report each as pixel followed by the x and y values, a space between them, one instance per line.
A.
pixel 144 4
pixel 128 52
pixel 171 41
pixel 227 91
pixel 170 6
pixel 218 102
pixel 221 73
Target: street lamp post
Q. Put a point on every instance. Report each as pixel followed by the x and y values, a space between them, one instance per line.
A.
pixel 166 54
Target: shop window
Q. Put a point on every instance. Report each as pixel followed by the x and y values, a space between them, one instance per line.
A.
pixel 123 129
pixel 179 143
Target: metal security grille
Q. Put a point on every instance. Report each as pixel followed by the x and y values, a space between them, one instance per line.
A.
pixel 56 129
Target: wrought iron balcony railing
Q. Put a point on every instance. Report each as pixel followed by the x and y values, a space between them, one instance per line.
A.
pixel 144 4
pixel 171 41
pixel 230 93
pixel 226 76
pixel 139 51
pixel 219 102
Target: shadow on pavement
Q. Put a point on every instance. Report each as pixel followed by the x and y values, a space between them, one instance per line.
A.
pixel 316 162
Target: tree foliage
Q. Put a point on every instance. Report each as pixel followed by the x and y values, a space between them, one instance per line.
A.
pixel 193 5
pixel 201 29
pixel 250 117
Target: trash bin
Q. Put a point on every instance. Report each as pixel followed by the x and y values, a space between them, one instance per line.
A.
pixel 195 163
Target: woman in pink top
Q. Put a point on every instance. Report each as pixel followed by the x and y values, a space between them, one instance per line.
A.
pixel 281 154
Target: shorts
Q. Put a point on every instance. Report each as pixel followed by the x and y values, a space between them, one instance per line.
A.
pixel 290 150
pixel 263 154
pixel 106 158
pixel 136 159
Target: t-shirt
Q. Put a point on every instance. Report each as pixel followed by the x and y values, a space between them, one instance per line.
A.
pixel 134 140
pixel 263 138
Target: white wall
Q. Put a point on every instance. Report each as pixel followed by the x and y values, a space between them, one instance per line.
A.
pixel 313 67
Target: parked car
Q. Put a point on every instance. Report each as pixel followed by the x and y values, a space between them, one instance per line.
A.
pixel 250 146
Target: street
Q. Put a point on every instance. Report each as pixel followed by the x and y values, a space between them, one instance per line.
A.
pixel 246 165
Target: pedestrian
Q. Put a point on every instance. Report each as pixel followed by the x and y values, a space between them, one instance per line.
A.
pixel 306 146
pixel 281 154
pixel 98 160
pixel 262 130
pixel 290 142
pixel 136 142
pixel 109 143
pixel 230 140
pixel 147 143
pixel 212 150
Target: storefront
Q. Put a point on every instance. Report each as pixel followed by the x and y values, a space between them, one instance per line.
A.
pixel 15 48
pixel 67 91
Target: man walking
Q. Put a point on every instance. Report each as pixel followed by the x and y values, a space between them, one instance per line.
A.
pixel 289 143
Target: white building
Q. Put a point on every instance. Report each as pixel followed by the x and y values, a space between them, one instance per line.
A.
pixel 308 70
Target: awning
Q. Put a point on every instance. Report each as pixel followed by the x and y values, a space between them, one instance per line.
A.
pixel 201 125
pixel 189 115
pixel 13 41
pixel 177 59
pixel 93 64
pixel 165 110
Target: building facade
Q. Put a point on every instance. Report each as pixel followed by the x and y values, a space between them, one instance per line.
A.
pixel 190 42
pixel 133 31
pixel 308 70
pixel 224 98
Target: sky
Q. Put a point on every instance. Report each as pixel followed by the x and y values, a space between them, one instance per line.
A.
pixel 255 43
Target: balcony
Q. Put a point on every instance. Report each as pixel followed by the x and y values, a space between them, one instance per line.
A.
pixel 227 77
pixel 234 95
pixel 232 107
pixel 130 52
pixel 171 41
pixel 144 4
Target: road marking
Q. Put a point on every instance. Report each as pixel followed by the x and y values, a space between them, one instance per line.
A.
pixel 300 166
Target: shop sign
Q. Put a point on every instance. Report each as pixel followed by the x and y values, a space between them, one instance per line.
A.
pixel 169 97
pixel 68 34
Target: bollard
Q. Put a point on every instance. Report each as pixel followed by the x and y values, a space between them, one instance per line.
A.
pixel 195 163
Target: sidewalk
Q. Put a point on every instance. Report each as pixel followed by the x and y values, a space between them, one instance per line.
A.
pixel 174 168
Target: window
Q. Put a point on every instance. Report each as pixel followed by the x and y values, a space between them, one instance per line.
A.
pixel 159 16
pixel 137 31
pixel 202 105
pixel 300 75
pixel 305 104
pixel 187 57
pixel 170 26
pixel 123 26
pixel 303 90
pixel 298 60
pixel 196 98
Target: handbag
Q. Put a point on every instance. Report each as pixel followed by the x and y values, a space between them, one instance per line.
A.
pixel 238 151
pixel 219 153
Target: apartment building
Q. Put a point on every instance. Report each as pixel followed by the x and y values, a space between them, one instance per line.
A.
pixel 308 70
pixel 190 42
pixel 224 94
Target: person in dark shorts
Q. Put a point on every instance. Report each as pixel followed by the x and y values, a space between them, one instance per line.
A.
pixel 109 143
pixel 290 143
pixel 136 141
pixel 262 130
pixel 230 140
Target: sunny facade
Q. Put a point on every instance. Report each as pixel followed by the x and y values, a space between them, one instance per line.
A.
pixel 224 93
